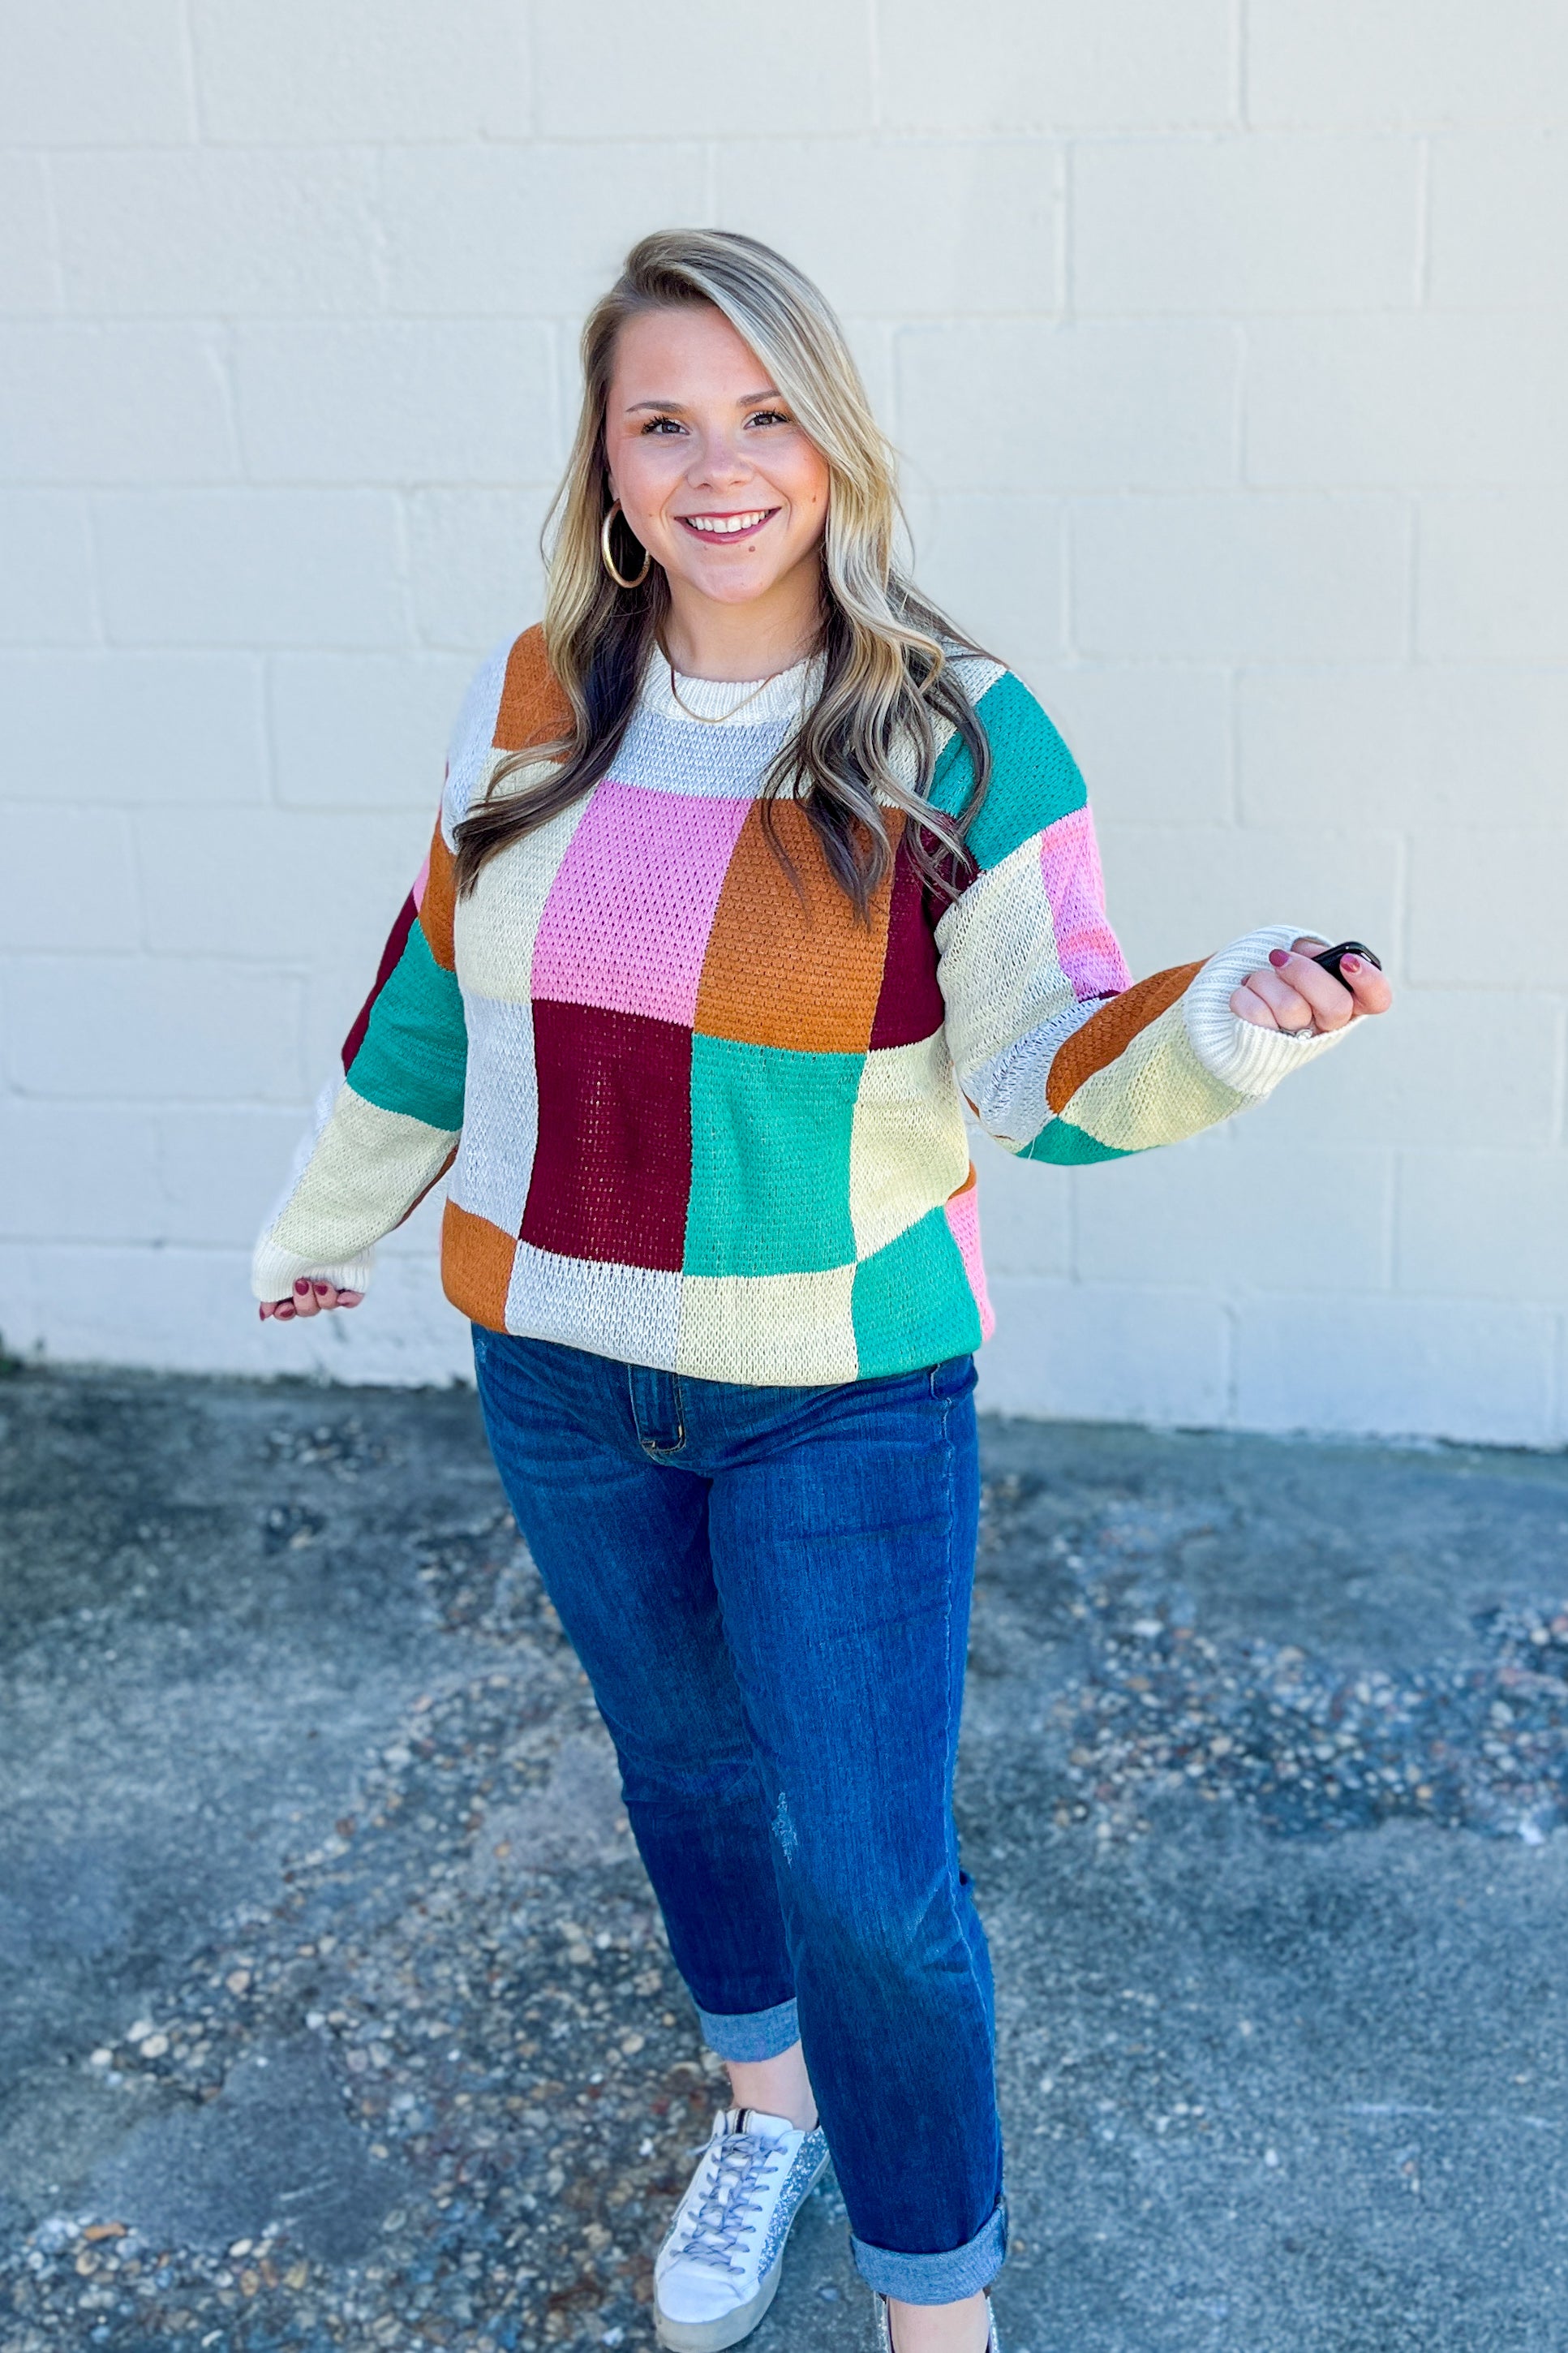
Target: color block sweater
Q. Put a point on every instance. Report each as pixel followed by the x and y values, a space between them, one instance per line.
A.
pixel 701 1118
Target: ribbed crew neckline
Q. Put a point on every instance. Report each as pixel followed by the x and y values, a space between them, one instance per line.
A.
pixel 714 699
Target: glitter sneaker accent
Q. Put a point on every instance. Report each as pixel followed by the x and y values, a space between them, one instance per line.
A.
pixel 719 2267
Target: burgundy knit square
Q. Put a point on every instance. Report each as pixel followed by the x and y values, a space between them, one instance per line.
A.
pixel 613 1167
pixel 390 957
pixel 910 1006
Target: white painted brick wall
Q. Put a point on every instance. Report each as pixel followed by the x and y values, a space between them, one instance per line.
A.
pixel 943 226
pixel 29 280
pixel 1418 402
pixel 1043 65
pixel 1226 343
pixel 46 588
pixel 102 73
pixel 292 72
pixel 214 232
pixel 608 70
pixel 393 400
pixel 251 567
pixel 355 731
pixel 1495 199
pixel 125 403
pixel 1491 577
pixel 141 726
pixel 1246 225
pixel 1272 576
pixel 1418 65
pixel 526 230
pixel 1016 406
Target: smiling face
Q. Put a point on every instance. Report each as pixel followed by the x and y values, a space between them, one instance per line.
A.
pixel 713 475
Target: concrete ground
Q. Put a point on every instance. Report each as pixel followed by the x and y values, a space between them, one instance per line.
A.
pixel 333 2010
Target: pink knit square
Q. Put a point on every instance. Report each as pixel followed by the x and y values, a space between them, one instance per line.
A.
pixel 1086 945
pixel 629 912
pixel 420 881
pixel 963 1224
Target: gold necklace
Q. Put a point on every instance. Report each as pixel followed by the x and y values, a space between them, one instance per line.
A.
pixel 702 717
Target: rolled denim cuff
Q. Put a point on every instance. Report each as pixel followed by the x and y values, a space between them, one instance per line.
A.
pixel 751 2034
pixel 937 2279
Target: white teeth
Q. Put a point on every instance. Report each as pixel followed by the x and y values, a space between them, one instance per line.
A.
pixel 721 526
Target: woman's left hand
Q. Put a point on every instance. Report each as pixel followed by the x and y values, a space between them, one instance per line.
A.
pixel 1293 994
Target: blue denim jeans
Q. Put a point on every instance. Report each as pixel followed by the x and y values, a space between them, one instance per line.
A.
pixel 769 1589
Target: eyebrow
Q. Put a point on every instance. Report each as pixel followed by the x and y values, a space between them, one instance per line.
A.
pixel 769 392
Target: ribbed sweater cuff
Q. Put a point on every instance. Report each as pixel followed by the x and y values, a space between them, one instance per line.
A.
pixel 1244 1057
pixel 274 1271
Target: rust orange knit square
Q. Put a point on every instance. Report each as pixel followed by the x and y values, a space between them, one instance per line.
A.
pixel 788 962
pixel 532 708
pixel 476 1266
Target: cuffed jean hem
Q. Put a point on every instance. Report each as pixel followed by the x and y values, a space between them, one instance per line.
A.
pixel 937 2279
pixel 751 2034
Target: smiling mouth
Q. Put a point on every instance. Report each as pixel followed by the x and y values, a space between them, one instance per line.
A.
pixel 728 526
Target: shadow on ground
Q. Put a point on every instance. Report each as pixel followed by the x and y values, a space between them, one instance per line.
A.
pixel 335 2012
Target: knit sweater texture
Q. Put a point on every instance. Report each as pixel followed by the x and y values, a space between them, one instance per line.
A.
pixel 700 1116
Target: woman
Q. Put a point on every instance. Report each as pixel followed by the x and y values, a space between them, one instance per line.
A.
pixel 750 871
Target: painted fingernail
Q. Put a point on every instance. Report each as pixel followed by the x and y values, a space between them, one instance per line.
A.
pixel 322 1290
pixel 1279 956
pixel 301 1287
pixel 1350 964
pixel 283 1313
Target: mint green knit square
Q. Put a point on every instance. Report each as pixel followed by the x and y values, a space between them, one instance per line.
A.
pixel 414 1056
pixel 770 1159
pixel 1034 779
pixel 912 1303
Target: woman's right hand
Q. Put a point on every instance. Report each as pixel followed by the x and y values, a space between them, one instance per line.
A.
pixel 309 1297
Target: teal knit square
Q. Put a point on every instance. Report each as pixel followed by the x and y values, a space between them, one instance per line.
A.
pixel 414 1057
pixel 1034 779
pixel 770 1159
pixel 912 1303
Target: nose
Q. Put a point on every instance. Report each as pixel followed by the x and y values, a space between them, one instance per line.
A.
pixel 720 461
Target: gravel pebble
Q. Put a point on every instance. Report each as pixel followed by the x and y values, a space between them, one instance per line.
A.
pixel 1310 1747
pixel 473 1949
pixel 477 2013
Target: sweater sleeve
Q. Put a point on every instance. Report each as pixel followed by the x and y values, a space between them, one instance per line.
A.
pixel 387 1130
pixel 1059 1052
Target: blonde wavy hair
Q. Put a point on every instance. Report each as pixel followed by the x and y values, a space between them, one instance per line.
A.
pixel 870 740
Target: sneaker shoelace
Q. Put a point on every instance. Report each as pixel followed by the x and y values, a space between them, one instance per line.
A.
pixel 721 2216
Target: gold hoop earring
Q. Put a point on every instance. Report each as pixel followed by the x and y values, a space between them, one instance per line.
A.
pixel 619 577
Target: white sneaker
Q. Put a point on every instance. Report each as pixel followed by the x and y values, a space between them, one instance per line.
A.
pixel 885 2334
pixel 717 2270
